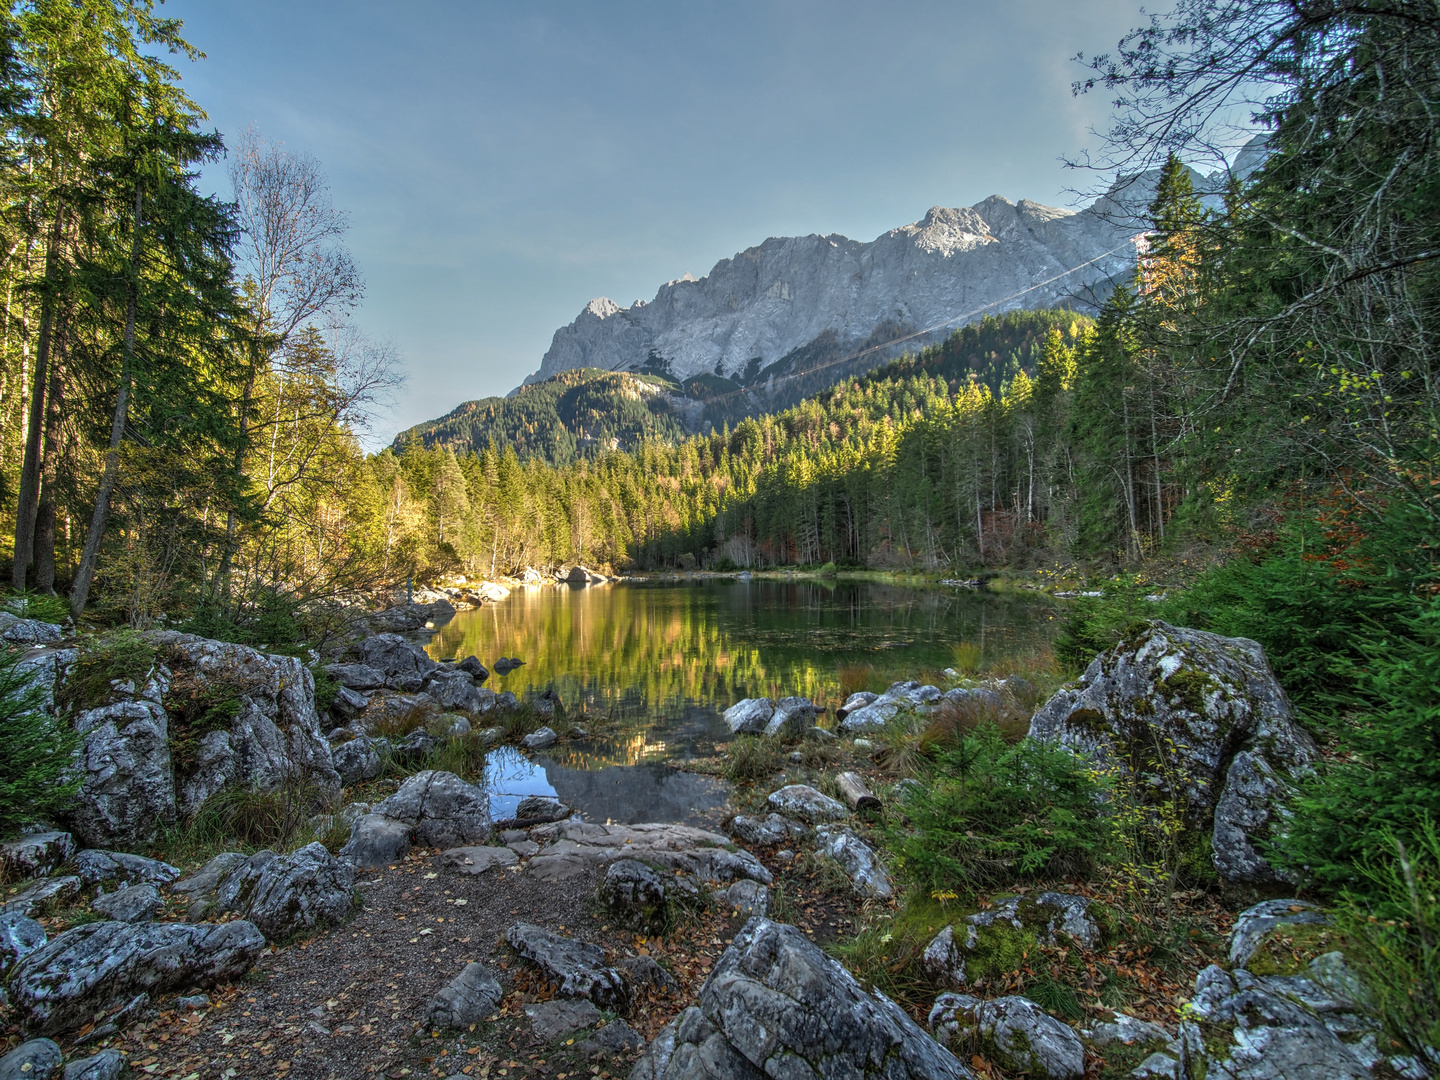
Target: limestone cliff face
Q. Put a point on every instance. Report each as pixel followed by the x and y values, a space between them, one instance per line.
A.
pixel 757 307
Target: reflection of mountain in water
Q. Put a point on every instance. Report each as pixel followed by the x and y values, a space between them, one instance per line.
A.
pixel 626 794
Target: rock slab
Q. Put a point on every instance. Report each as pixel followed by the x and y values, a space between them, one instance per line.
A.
pixel 578 967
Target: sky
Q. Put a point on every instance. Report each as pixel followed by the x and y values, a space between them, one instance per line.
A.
pixel 502 164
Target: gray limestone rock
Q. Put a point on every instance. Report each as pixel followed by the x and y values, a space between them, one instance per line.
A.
pixel 20 935
pixel 36 854
pixel 1238 1027
pixel 466 999
pixel 578 967
pixel 618 1037
pixel 128 791
pixel 747 898
pixel 774 829
pixel 1215 707
pixel 540 740
pixel 48 893
pixel 416 746
pixel 1127 1030
pixel 478 859
pixel 858 860
pixel 441 809
pixel 356 760
pixel 791 717
pixel 857 700
pixel 97 867
pixel 749 717
pixel 472 666
pixel 868 717
pixel 38 1059
pixel 18 631
pixel 1013 1032
pixel 200 887
pixel 550 1020
pixel 99 966
pixel 638 897
pixel 573 847
pixel 803 803
pixel 449 726
pixel 357 676
pixel 376 841
pixel 538 809
pixel 776 1006
pixel 348 703
pixel 284 895
pixel 396 657
pixel 453 689
pixel 1254 923
pixel 106 1065
pixel 644 971
pixel 130 903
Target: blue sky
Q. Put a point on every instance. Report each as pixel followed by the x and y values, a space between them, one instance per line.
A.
pixel 503 163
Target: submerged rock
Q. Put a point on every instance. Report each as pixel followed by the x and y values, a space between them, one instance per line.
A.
pixel 776 1006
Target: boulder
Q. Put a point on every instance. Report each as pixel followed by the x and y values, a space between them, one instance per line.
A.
pixel 858 859
pixel 575 847
pixel 464 1000
pixel 1237 1025
pixel 433 809
pixel 106 1065
pixel 1127 1030
pixel 1254 924
pixel 48 893
pixel 18 631
pixel 356 760
pixel 618 1037
pixel 540 740
pixel 1049 918
pixel 791 717
pixel 804 803
pixel 453 689
pixel 774 829
pixel 348 704
pixel 857 700
pixel 488 700
pixel 44 667
pixel 402 662
pixel 776 1006
pixel 577 967
pixel 1228 745
pixel 128 789
pixel 539 809
pixel 638 897
pixel 548 703
pixel 97 867
pixel 35 854
pixel 472 666
pixel 643 971
pixel 449 726
pixel 393 711
pixel 1013 1032
pixel 868 717
pixel 356 676
pixel 284 895
pixel 38 1059
pixel 507 664
pixel 99 966
pixel 506 701
pixel 550 1020
pixel 275 737
pixel 200 887
pixel 749 717
pixel 130 903
pixel 911 694
pixel 20 935
pixel 746 897
pixel 416 746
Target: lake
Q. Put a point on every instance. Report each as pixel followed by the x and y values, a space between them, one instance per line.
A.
pixel 666 658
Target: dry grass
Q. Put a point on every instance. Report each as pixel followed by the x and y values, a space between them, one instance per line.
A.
pixel 955 719
pixel 751 758
pixel 969 658
pixel 854 678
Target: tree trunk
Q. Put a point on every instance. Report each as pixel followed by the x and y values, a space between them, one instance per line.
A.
pixel 44 544
pixel 28 504
pixel 80 593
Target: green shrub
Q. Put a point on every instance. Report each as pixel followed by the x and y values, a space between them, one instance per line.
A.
pixel 42 606
pixel 1390 785
pixel 1393 936
pixel 119 656
pixel 993 814
pixel 327 688
pixel 36 749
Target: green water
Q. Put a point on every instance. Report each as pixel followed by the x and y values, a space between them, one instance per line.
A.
pixel 668 658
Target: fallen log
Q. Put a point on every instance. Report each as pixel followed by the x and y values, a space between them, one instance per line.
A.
pixel 853 791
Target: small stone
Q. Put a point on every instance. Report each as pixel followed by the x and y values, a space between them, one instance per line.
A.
pixel 49 893
pixel 479 859
pixel 772 830
pixel 194 1002
pixel 538 809
pixel 859 861
pixel 747 898
pixel 540 740
pixel 618 1037
pixel 38 1059
pixel 645 971
pixel 806 804
pixel 466 999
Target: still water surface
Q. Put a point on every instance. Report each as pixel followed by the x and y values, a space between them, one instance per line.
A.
pixel 667 658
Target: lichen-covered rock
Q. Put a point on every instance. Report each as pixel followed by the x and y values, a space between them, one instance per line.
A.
pixel 284 895
pixel 20 631
pixel 129 903
pixel 1254 924
pixel 1206 717
pixel 774 829
pixel 433 809
pixel 405 664
pixel 573 847
pixel 38 1059
pixel 577 967
pixel 99 966
pixel 128 791
pixel 465 1000
pixel 356 760
pixel 1013 1032
pixel 200 887
pixel 275 736
pixel 747 897
pixel 97 867
pixel 453 689
pixel 858 859
pixel 791 717
pixel 997 939
pixel 44 895
pixel 749 717
pixel 35 854
pixel 776 1006
pixel 1239 1027
pixel 804 803
pixel 1126 1029
pixel 638 897
pixel 20 935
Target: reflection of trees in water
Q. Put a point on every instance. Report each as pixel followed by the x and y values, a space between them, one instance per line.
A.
pixel 641 650
pixel 630 793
